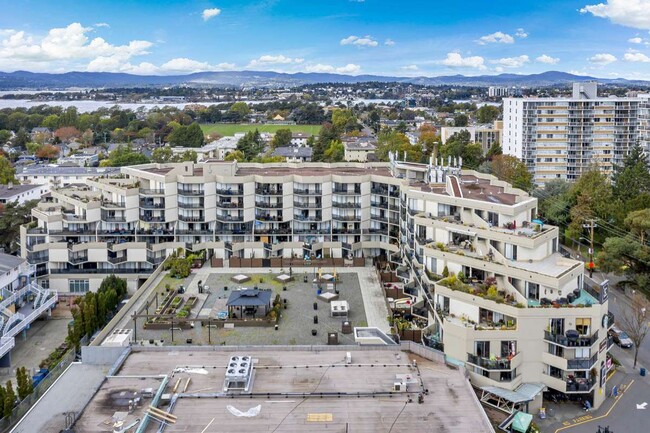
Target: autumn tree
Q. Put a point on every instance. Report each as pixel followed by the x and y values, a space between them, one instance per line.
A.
pixel 335 152
pixel 48 151
pixel 67 133
pixel 512 170
pixel 236 155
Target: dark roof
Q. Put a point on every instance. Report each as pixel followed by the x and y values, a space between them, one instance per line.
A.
pixel 7 191
pixel 8 262
pixel 249 298
pixel 293 152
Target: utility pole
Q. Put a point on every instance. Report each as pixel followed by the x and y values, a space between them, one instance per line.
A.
pixel 591 225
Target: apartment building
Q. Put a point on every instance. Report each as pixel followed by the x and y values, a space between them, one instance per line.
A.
pixel 499 297
pixel 485 135
pixel 128 224
pixel 560 138
pixel 502 300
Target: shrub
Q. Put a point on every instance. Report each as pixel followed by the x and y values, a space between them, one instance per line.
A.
pixel 492 292
pixel 461 276
pixel 445 272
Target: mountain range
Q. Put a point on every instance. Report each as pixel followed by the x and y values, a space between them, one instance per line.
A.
pixel 34 80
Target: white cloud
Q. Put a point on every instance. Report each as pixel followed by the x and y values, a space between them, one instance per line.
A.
pixel 410 68
pixel 603 59
pixel 210 13
pixel 636 57
pixel 512 62
pixel 455 60
pixel 521 33
pixel 273 60
pixel 350 68
pixel 183 64
pixel 635 40
pixel 629 13
pixel 64 48
pixel 389 42
pixel 548 60
pixel 365 41
pixel 496 37
pixel 102 25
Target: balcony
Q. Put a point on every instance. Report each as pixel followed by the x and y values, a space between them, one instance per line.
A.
pixel 229 218
pixel 191 218
pixel 191 192
pixel 571 341
pixel 306 205
pixel 340 231
pixel 145 204
pixel 376 231
pixel 113 205
pixel 117 260
pixel 341 191
pixel 308 218
pixel 266 205
pixel 152 219
pixel 269 218
pixel 229 191
pixel 113 219
pixel 379 204
pixel 40 257
pixel 378 218
pixel 582 364
pixel 151 192
pixel 346 217
pixel 78 258
pixel 346 205
pixel 230 205
pixel 379 190
pixel 190 205
pixel 307 191
pixel 268 191
pixel 492 364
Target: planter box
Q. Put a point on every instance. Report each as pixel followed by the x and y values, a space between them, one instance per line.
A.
pixel 359 261
pixel 256 263
pixel 217 263
pixel 235 262
pixel 276 262
pixel 191 302
pixel 246 263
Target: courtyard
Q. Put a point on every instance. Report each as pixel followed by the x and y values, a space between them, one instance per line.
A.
pixel 304 318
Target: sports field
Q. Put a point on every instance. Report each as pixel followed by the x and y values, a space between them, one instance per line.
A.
pixel 226 129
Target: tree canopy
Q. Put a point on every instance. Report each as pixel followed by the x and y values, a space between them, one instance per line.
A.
pixel 187 136
pixel 123 156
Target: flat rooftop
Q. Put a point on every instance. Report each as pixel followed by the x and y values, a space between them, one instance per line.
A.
pixel 297 389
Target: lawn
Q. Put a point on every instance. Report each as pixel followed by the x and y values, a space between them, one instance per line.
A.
pixel 226 129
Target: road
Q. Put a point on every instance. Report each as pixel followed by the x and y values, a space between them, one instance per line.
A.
pixel 617 302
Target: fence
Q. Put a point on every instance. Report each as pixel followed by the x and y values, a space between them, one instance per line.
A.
pixel 23 407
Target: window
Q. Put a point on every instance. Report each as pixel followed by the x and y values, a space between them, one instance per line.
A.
pixel 78 286
pixel 482 348
pixel 533 290
pixel 583 326
pixel 583 352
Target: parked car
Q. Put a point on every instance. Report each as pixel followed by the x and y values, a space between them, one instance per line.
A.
pixel 620 338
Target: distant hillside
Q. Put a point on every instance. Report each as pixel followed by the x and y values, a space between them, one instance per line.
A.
pixel 32 80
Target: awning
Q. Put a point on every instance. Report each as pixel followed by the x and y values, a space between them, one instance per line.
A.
pixel 461 231
pixel 521 422
pixel 507 400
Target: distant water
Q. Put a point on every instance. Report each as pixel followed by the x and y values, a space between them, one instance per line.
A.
pixel 88 106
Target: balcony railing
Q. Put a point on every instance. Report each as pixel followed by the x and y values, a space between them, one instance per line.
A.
pixel 114 219
pixel 383 205
pixel 152 205
pixel 306 218
pixel 265 205
pixel 116 260
pixel 490 363
pixel 230 218
pixel 146 191
pixel 152 219
pixel 222 191
pixel 346 217
pixel 307 191
pixel 563 340
pixel 191 218
pixel 582 364
pixel 346 205
pixel 269 218
pixel 579 385
pixel 190 205
pixel 268 191
pixel 305 205
pixel 342 191
pixel 78 258
pixel 191 192
pixel 230 205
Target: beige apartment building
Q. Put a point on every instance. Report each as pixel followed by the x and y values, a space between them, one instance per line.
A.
pixel 560 138
pixel 500 297
pixel 503 301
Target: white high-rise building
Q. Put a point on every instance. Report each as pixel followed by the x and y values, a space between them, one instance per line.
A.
pixel 560 138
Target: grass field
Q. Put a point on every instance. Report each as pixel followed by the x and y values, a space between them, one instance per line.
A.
pixel 226 129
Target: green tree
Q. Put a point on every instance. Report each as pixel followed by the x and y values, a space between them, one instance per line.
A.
pixel 162 155
pixel 32 147
pixel 344 120
pixel 281 138
pixel 327 134
pixel 396 142
pixel 51 121
pixel 5 136
pixel 187 136
pixel 512 170
pixel 10 399
pixel 631 182
pixel 493 151
pixel 472 156
pixel 639 223
pixel 626 256
pixel 251 145
pixel 123 156
pixel 487 114
pixel 14 215
pixel 239 111
pixel 592 197
pixel 3 397
pixel 554 201
pixel 335 152
pixel 461 120
pixel 236 155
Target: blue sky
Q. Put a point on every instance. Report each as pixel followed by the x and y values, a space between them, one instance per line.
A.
pixel 603 38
